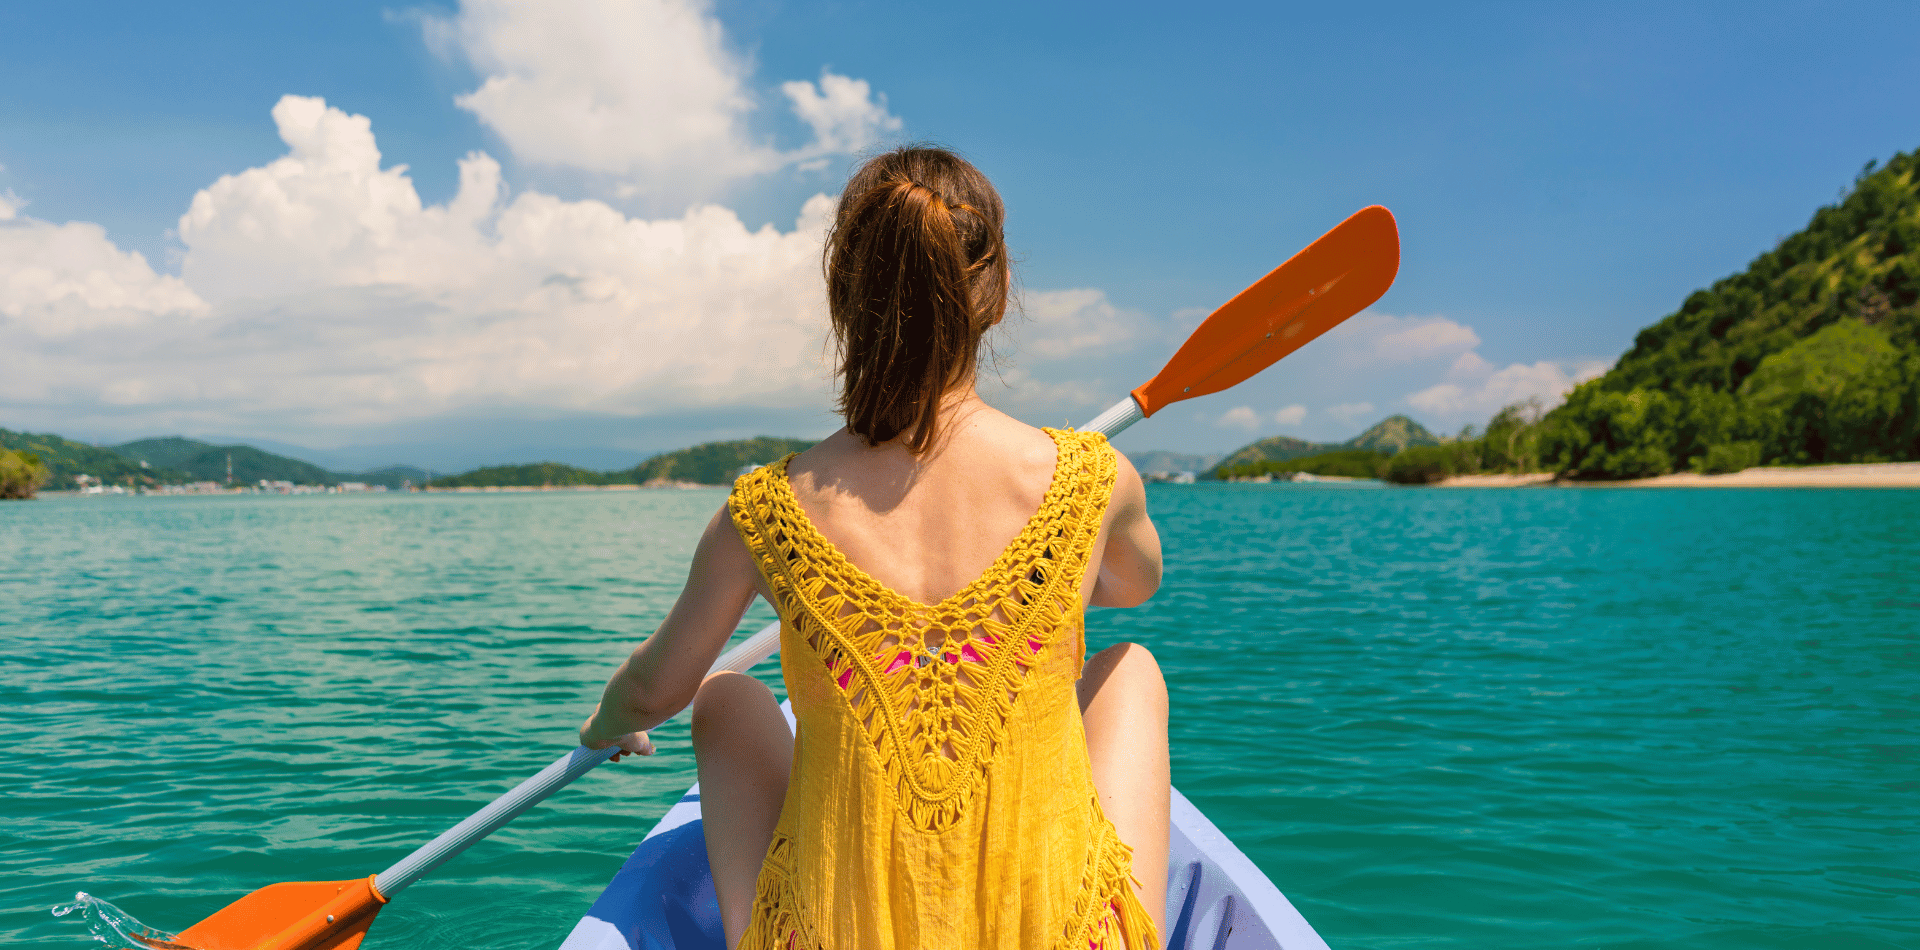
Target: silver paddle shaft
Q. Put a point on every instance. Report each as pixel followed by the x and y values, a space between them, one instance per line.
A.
pixel 1116 419
pixel 749 654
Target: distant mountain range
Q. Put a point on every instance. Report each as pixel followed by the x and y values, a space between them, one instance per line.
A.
pixel 1388 436
pixel 711 463
pixel 1159 461
pixel 66 458
pixel 211 463
pixel 206 462
pixel 174 460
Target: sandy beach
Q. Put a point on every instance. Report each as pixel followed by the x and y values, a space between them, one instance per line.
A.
pixel 1866 475
pixel 1496 481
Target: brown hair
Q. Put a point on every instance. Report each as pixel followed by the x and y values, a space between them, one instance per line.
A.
pixel 916 275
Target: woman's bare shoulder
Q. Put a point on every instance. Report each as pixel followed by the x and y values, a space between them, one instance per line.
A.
pixel 1024 451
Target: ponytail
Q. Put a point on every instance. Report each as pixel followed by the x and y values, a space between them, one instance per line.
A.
pixel 916 274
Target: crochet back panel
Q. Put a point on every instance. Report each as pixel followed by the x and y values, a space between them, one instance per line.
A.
pixel 941 796
pixel 933 684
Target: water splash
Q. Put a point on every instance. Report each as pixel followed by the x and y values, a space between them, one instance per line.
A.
pixel 115 927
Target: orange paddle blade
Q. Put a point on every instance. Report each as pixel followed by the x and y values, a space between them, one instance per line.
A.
pixel 1334 278
pixel 304 915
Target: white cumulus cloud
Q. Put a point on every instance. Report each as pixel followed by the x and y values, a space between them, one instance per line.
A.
pixel 1239 417
pixel 844 113
pixel 1470 388
pixel 1253 420
pixel 320 288
pixel 1475 389
pixel 647 91
pixel 1064 324
pixel 327 215
pixel 61 279
pixel 1379 338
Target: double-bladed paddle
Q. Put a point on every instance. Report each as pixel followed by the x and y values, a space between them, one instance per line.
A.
pixel 1334 278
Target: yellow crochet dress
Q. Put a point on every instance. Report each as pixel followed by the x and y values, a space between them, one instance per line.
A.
pixel 941 795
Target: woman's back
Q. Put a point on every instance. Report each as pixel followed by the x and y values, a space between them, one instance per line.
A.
pixel 927 526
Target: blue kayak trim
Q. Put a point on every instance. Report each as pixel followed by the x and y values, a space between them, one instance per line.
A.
pixel 662 899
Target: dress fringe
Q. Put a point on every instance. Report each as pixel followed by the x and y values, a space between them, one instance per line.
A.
pixel 776 924
pixel 1109 915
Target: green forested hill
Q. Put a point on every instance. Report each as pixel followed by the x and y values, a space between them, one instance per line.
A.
pixel 65 458
pixel 1387 436
pixel 207 462
pixel 166 452
pixel 1812 354
pixel 1391 435
pixel 250 465
pixel 1860 258
pixel 1280 448
pixel 523 476
pixel 716 463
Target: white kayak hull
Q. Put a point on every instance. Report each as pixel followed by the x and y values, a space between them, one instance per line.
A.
pixel 662 898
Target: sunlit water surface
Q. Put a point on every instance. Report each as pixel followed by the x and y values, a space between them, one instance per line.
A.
pixel 1521 718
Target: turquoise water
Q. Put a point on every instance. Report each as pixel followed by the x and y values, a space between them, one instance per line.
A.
pixel 1520 718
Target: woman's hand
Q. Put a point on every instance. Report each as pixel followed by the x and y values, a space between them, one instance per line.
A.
pixel 633 743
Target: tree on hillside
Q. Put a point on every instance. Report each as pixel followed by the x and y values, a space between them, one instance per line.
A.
pixel 1836 396
pixel 1347 463
pixel 21 474
pixel 1513 443
pixel 1513 437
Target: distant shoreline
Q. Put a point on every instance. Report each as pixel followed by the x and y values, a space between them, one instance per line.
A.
pixel 650 486
pixel 1860 475
pixel 416 490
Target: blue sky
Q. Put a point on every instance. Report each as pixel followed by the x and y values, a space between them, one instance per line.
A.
pixel 1563 176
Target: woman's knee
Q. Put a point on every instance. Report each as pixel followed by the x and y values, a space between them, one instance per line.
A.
pixel 723 698
pixel 1128 669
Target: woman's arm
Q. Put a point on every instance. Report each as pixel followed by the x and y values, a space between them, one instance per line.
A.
pixel 1130 562
pixel 662 675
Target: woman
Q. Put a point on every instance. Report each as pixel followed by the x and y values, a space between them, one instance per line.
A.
pixel 958 779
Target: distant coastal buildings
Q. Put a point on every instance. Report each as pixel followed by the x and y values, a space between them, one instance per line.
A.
pixel 89 485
